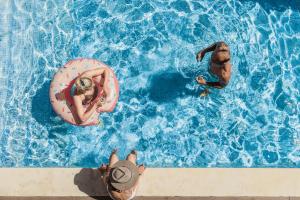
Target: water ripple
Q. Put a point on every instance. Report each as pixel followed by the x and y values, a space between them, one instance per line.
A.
pixel 253 122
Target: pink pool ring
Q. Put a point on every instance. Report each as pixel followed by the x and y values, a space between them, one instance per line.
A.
pixel 62 83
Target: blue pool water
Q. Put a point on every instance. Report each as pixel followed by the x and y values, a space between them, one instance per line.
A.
pixel 151 45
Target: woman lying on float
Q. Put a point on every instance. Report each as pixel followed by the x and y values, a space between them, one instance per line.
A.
pixel 82 89
pixel 85 92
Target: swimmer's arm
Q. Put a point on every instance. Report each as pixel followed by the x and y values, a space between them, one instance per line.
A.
pixel 201 54
pixel 210 48
pixel 82 114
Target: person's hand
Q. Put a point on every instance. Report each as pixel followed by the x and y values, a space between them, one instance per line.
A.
pixel 102 169
pixel 204 93
pixel 141 169
pixel 102 99
pixel 201 80
pixel 99 104
pixel 200 55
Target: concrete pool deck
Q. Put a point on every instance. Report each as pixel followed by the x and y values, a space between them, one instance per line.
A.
pixel 156 182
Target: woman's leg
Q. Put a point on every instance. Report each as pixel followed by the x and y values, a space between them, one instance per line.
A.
pixel 132 156
pixel 113 158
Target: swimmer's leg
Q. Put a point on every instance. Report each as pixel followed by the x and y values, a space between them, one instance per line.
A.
pixel 205 92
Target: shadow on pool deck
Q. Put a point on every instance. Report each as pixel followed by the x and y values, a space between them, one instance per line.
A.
pixel 89 181
pixel 167 86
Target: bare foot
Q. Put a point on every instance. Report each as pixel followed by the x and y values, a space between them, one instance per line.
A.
pixel 114 151
pixel 204 93
pixel 201 80
pixel 134 152
pixel 100 123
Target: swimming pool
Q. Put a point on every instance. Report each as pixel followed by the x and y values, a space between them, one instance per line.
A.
pixel 151 46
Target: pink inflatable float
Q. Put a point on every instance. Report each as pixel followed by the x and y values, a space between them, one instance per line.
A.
pixel 61 85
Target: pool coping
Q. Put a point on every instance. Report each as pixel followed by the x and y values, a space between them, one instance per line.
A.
pixel 158 182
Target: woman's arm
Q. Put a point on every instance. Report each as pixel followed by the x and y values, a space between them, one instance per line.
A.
pixel 83 114
pixel 105 84
pixel 93 72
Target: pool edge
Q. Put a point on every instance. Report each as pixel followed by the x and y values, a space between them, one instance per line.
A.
pixel 158 182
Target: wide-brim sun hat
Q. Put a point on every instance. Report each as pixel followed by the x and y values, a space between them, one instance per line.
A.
pixel 124 174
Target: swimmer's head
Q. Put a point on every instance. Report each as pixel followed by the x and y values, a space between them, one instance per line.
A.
pixel 222 45
pixel 84 84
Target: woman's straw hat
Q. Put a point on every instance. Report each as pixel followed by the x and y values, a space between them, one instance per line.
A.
pixel 124 174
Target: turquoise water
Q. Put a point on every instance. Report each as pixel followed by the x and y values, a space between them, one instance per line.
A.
pixel 151 46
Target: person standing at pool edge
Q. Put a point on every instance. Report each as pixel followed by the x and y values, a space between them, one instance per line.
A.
pixel 121 177
pixel 219 65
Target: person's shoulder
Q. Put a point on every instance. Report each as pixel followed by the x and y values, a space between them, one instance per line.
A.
pixel 226 69
pixel 227 65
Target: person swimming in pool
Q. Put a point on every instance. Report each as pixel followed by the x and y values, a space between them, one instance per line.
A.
pixel 219 65
pixel 85 92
